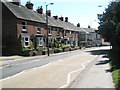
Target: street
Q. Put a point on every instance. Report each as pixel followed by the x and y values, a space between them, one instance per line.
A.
pixel 56 71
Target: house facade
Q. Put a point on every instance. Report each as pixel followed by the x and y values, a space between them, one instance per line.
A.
pixel 24 29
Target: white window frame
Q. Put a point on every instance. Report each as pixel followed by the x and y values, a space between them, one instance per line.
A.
pixel 49 30
pixel 24 41
pixel 65 33
pixel 24 30
pixel 40 41
pixel 38 27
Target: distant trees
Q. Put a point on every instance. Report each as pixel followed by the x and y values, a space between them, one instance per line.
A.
pixel 78 25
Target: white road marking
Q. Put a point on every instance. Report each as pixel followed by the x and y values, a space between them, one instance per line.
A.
pixel 69 74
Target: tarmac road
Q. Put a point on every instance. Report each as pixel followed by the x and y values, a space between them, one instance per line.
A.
pixel 59 71
pixel 12 67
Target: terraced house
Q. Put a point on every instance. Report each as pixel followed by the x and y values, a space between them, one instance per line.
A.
pixel 24 28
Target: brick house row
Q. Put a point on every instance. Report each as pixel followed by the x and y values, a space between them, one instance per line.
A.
pixel 22 27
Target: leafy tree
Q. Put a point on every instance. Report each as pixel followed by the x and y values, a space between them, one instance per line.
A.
pixel 110 30
pixel 78 25
pixel 110 22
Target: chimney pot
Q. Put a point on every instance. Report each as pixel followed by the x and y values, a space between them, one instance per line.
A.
pixel 56 17
pixel 40 10
pixel 16 2
pixel 49 13
pixel 66 19
pixel 61 18
pixel 29 5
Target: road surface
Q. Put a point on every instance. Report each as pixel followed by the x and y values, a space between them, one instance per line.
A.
pixel 57 71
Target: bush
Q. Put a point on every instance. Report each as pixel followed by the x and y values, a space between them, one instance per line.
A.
pixel 116 78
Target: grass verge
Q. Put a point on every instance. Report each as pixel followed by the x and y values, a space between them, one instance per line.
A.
pixel 116 78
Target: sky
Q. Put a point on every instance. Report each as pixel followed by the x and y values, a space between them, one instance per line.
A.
pixel 78 11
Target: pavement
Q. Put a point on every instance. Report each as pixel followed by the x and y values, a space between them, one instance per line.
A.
pixel 96 75
pixel 6 60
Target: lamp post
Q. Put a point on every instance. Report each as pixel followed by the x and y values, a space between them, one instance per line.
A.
pixel 47 28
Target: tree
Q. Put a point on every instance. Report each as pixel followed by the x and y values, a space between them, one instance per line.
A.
pixel 78 25
pixel 110 30
pixel 109 23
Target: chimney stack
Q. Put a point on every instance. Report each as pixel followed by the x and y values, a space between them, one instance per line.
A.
pixel 66 19
pixel 16 2
pixel 56 17
pixel 40 10
pixel 61 18
pixel 29 5
pixel 49 13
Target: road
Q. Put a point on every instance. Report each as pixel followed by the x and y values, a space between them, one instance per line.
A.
pixel 56 71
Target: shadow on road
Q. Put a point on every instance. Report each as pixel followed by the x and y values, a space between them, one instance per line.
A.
pixel 99 52
pixel 102 62
pixel 105 58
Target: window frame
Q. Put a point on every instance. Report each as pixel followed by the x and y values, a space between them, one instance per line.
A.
pixel 49 30
pixel 38 28
pixel 40 41
pixel 24 25
pixel 26 41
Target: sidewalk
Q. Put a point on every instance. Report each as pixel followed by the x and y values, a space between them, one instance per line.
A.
pixel 5 60
pixel 96 75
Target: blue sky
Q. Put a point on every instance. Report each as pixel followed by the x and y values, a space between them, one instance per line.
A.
pixel 78 11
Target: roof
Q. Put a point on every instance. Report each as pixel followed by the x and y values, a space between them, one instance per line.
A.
pixel 90 30
pixel 21 12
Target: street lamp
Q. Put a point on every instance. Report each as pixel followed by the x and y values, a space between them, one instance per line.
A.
pixel 47 28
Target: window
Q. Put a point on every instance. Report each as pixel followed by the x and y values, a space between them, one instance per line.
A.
pixel 58 31
pixel 65 33
pixel 38 28
pixel 26 41
pixel 24 26
pixel 40 41
pixel 75 34
pixel 49 30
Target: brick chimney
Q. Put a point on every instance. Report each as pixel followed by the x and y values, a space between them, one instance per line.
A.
pixel 40 10
pixel 61 18
pixel 49 13
pixel 66 19
pixel 29 5
pixel 56 17
pixel 16 2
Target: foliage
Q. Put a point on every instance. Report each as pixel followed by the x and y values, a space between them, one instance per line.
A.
pixel 40 49
pixel 110 30
pixel 25 49
pixel 110 21
pixel 65 46
pixel 116 78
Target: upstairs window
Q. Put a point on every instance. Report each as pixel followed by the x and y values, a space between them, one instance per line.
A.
pixel 38 28
pixel 65 33
pixel 49 30
pixel 58 31
pixel 24 26
pixel 75 34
